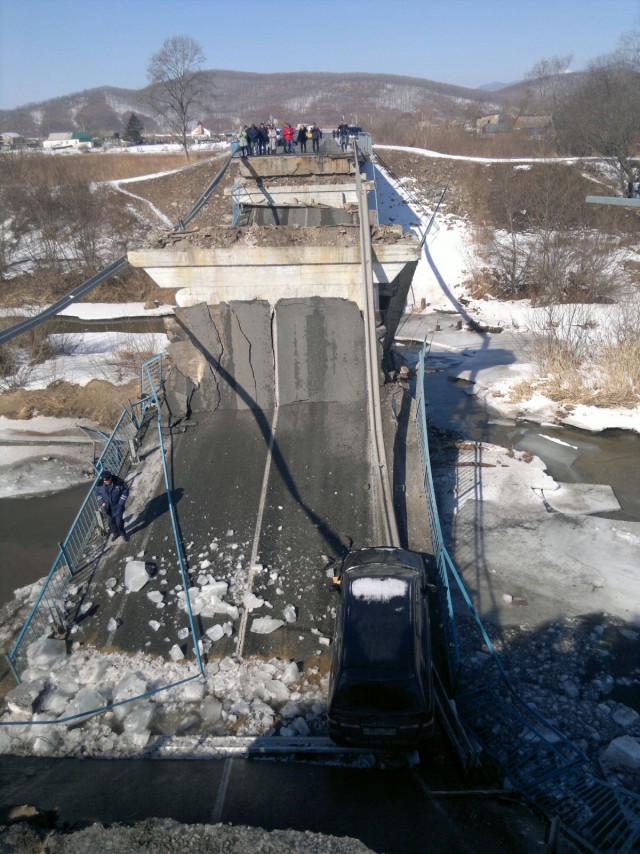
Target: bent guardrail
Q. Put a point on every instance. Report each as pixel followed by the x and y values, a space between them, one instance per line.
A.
pixel 547 768
pixel 151 379
pixel 76 551
pixel 440 552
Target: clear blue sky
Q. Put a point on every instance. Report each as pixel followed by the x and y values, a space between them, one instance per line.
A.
pixel 50 48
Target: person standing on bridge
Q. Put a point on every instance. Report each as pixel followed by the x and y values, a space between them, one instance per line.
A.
pixel 112 493
pixel 243 142
pixel 289 136
pixel 273 139
pixel 263 139
pixel 343 135
pixel 253 137
pixel 302 138
pixel 316 136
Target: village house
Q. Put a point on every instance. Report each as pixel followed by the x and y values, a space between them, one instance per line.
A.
pixel 8 139
pixel 534 125
pixel 494 123
pixel 76 139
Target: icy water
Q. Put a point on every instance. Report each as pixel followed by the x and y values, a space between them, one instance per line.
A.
pixel 30 529
pixel 570 455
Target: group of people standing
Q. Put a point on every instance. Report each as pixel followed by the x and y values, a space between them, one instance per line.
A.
pixel 254 140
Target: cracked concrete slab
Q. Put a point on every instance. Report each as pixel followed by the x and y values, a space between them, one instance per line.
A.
pixel 321 350
pixel 224 359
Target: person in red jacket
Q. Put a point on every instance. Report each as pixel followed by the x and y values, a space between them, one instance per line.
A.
pixel 289 135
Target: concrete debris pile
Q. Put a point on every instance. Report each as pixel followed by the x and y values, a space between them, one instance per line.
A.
pixel 274 235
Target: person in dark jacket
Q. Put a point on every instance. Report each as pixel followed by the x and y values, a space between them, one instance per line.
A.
pixel 316 136
pixel 112 493
pixel 253 137
pixel 343 135
pixel 263 139
pixel 301 138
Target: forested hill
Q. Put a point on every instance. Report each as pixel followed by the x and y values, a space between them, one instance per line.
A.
pixel 239 97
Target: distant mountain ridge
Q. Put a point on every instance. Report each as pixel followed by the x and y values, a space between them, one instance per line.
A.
pixel 494 86
pixel 239 97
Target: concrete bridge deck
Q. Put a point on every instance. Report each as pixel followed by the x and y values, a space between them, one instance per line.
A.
pixel 265 498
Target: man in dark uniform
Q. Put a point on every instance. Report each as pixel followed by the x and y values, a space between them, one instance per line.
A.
pixel 112 493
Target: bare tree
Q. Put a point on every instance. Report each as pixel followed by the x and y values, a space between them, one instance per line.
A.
pixel 542 244
pixel 546 81
pixel 178 84
pixel 602 115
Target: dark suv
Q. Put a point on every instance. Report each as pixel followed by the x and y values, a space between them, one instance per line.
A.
pixel 380 688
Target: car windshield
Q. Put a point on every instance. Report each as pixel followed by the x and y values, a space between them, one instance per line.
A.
pixel 374 691
pixel 379 628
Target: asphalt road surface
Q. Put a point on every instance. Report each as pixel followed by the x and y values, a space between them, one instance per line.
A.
pixel 393 811
pixel 280 493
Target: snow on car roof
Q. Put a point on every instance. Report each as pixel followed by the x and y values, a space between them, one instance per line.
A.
pixel 379 589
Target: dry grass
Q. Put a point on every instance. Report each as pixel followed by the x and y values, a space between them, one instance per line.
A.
pixel 610 379
pixel 96 167
pixel 98 400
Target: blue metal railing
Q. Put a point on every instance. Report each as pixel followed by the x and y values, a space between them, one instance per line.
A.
pixel 540 762
pixel 75 552
pixel 174 523
pixel 54 590
pixel 364 143
pixel 443 561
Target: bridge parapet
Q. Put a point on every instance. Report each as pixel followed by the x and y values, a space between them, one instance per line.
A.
pixel 218 274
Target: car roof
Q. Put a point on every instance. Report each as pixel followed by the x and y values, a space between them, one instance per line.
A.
pixel 386 556
pixel 379 618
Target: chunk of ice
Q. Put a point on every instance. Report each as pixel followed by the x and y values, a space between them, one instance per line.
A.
pixel 215 633
pixel 275 691
pixel 86 701
pixel 289 613
pixel 175 653
pixel 623 752
pixel 131 685
pixel 135 575
pixel 625 716
pixel 300 726
pixel 251 601
pixel 139 718
pixel 265 625
pixel 45 651
pixel 291 673
pixel 215 588
pixel 21 698
pixel 193 692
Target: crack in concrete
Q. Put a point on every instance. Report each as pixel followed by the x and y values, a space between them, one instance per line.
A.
pixel 250 347
pixel 274 361
pixel 213 373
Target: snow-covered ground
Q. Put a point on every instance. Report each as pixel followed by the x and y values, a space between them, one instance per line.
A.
pixel 85 356
pixel 588 565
